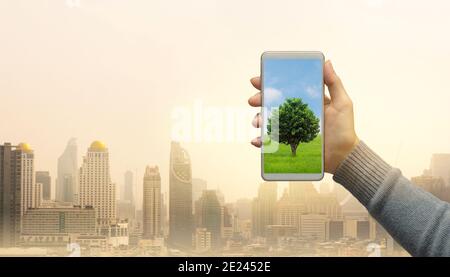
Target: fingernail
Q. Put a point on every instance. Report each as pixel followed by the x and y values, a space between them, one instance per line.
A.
pixel 255 141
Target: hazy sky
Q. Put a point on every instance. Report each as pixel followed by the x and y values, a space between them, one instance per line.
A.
pixel 115 71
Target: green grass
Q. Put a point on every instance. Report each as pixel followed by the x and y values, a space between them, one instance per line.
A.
pixel 308 159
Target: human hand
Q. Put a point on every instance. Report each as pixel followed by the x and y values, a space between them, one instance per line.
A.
pixel 340 136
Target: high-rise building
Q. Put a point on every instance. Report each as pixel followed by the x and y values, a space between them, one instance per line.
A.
pixel 10 194
pixel 244 209
pixel 31 193
pixel 180 198
pixel 152 203
pixel 18 191
pixel 66 181
pixel 95 186
pixel 230 223
pixel 220 197
pixel 43 178
pixel 128 192
pixel 37 195
pixel 263 210
pixel 209 214
pixel 198 186
pixel 164 217
pixel 434 185
pixel 126 208
pixel 228 213
pixel 440 167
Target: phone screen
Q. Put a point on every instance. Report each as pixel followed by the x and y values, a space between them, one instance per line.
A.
pixel 292 135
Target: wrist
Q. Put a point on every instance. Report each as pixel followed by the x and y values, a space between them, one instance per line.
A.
pixel 340 154
pixel 363 172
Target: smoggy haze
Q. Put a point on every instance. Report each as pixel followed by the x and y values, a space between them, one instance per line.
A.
pixel 115 71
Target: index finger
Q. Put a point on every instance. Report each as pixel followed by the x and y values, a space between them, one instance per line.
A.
pixel 255 100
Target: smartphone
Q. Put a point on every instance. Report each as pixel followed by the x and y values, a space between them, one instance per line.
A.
pixel 292 116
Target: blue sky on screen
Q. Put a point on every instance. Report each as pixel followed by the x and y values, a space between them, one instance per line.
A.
pixel 299 78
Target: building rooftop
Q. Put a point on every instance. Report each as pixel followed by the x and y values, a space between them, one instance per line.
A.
pixel 97 146
pixel 25 147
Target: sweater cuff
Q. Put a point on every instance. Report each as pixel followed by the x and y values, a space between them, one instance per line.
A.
pixel 362 173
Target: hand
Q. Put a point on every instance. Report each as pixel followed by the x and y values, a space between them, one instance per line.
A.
pixel 340 136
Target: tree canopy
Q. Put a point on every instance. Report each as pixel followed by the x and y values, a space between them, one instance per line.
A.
pixel 293 123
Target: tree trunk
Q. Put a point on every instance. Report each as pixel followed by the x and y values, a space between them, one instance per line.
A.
pixel 294 149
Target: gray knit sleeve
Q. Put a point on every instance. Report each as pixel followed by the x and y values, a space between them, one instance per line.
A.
pixel 362 173
pixel 419 221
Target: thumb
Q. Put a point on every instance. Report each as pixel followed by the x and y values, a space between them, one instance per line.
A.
pixel 334 84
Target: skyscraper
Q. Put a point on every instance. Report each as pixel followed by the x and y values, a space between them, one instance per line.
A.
pixel 434 185
pixel 95 187
pixel 440 167
pixel 210 216
pixel 244 209
pixel 126 208
pixel 263 211
pixel 43 177
pixel 152 203
pixel 66 181
pixel 180 198
pixel 164 215
pixel 198 186
pixel 31 193
pixel 18 190
pixel 128 194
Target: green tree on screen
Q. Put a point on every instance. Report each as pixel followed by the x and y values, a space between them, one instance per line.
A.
pixel 293 123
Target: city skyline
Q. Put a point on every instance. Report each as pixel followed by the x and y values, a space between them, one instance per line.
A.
pixel 122 189
pixel 201 220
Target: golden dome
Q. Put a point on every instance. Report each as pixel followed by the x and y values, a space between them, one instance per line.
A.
pixel 98 146
pixel 25 147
